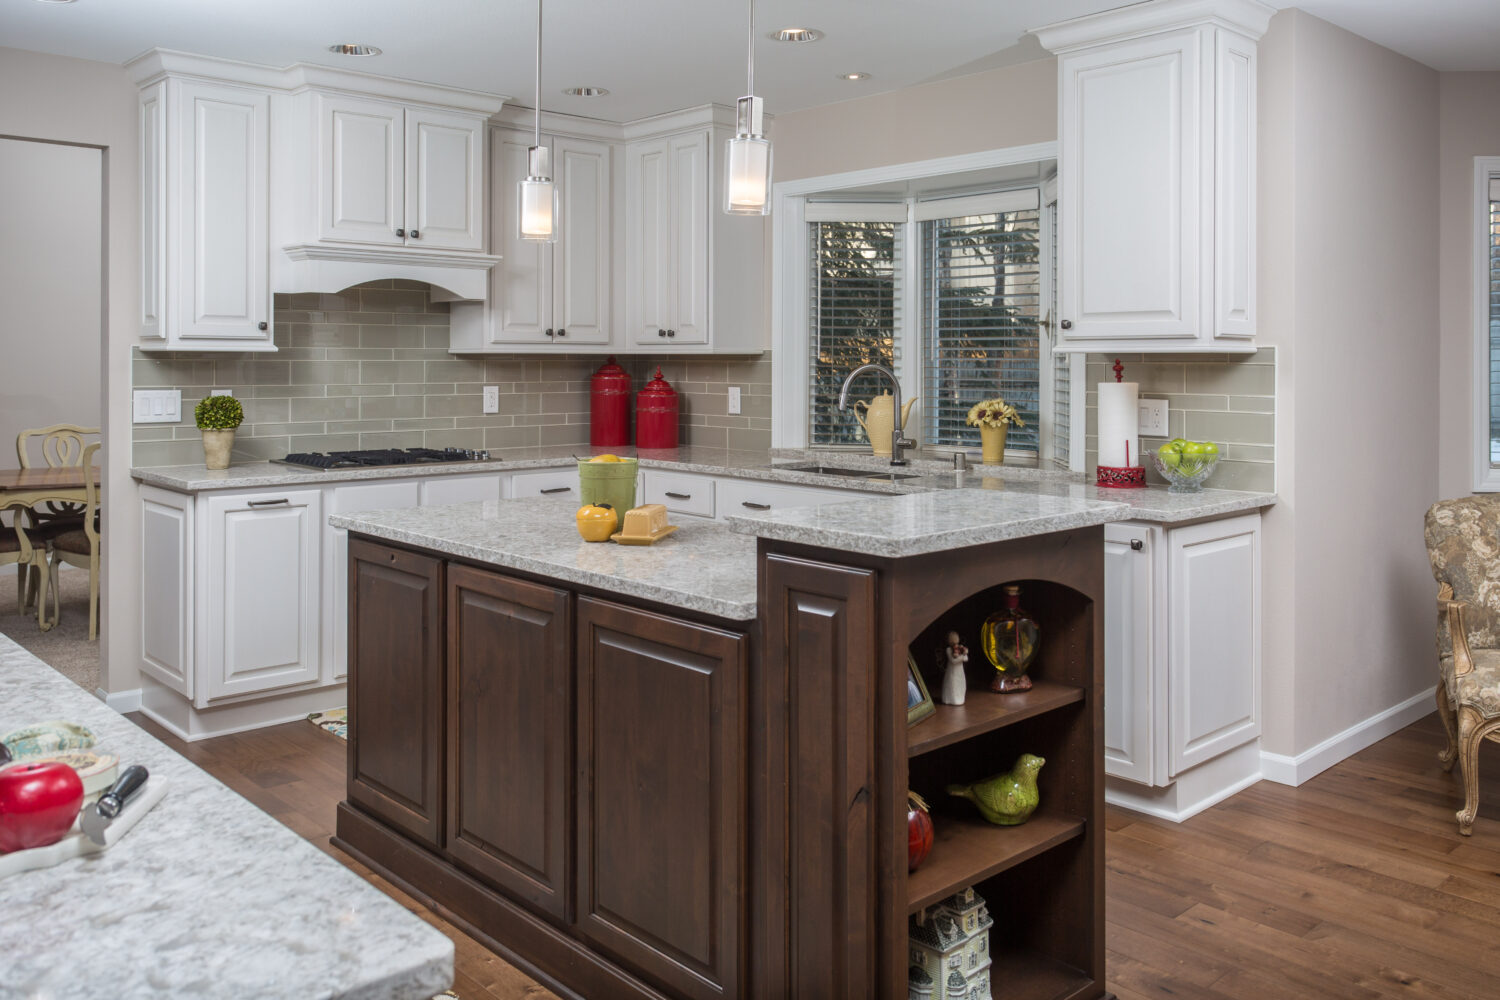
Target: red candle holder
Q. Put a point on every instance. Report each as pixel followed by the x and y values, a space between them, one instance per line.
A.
pixel 1121 477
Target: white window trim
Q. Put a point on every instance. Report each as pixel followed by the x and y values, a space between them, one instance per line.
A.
pixel 1486 477
pixel 790 336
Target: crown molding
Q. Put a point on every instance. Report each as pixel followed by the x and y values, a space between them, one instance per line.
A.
pixel 1247 17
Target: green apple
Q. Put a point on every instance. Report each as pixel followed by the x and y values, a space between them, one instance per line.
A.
pixel 1210 450
pixel 1170 454
pixel 1193 457
pixel 1178 442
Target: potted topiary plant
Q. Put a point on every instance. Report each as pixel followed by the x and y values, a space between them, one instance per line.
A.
pixel 217 417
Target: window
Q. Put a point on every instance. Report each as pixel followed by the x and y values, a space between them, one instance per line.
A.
pixel 1487 323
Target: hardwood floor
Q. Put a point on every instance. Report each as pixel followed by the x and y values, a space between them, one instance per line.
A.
pixel 1355 885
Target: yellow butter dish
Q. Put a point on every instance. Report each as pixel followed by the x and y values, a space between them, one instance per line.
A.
pixel 650 539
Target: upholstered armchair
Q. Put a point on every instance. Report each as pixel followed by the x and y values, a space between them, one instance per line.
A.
pixel 1463 543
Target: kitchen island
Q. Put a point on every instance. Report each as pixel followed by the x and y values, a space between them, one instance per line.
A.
pixel 681 770
pixel 206 896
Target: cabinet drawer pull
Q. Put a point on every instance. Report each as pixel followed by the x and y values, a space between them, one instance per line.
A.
pixel 1136 544
pixel 755 506
pixel 679 496
pixel 269 503
pixel 559 489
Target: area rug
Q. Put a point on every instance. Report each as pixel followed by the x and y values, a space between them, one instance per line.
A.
pixel 66 648
pixel 335 720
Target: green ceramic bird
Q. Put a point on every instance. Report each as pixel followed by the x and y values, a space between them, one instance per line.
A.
pixel 1006 799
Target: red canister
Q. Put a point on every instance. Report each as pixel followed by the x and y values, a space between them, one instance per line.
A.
pixel 609 406
pixel 656 415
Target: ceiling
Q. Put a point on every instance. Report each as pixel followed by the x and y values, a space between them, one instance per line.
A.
pixel 667 54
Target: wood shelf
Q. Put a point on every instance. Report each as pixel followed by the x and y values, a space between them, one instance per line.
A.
pixel 1025 973
pixel 969 850
pixel 983 711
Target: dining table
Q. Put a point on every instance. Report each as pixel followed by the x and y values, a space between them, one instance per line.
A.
pixel 30 488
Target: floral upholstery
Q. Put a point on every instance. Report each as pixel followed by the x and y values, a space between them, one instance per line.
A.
pixel 1481 687
pixel 1463 544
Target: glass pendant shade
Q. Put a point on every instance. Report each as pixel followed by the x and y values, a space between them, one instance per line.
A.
pixel 747 178
pixel 536 206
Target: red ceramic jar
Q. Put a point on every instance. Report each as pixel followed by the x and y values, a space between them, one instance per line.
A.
pixel 656 415
pixel 609 406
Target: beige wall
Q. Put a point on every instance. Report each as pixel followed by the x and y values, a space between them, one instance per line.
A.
pixel 1355 323
pixel 50 284
pixel 1012 106
pixel 1469 126
pixel 74 100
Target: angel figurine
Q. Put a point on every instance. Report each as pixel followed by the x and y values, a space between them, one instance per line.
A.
pixel 955 681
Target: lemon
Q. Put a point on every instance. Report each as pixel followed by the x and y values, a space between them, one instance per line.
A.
pixel 605 458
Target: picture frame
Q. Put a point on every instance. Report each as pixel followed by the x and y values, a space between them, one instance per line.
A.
pixel 918 702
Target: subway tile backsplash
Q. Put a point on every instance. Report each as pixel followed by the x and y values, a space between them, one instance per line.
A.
pixel 1229 399
pixel 369 367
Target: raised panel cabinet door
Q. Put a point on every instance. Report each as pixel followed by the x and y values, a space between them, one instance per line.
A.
pixel 662 805
pixel 510 735
pixel 396 745
pixel 1130 688
pixel 522 281
pixel 361 170
pixel 1135 208
pixel 223 292
pixel 650 267
pixel 816 852
pixel 1234 186
pixel 691 195
pixel 1213 646
pixel 153 167
pixel 347 500
pixel 167 588
pixel 581 269
pixel 444 180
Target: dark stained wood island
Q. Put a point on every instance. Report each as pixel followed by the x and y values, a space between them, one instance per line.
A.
pixel 681 771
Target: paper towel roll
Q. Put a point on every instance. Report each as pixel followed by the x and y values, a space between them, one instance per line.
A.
pixel 1119 424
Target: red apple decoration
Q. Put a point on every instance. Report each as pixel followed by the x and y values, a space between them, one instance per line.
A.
pixel 38 804
pixel 919 832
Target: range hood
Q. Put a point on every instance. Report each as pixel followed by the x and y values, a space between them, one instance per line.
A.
pixel 328 267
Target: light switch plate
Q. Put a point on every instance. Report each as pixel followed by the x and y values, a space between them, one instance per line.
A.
pixel 734 399
pixel 492 399
pixel 1153 414
pixel 157 406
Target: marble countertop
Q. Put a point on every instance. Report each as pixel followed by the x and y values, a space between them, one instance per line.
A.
pixel 1151 504
pixel 929 522
pixel 703 566
pixel 207 896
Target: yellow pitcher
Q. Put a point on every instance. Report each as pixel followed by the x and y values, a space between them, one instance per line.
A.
pixel 878 420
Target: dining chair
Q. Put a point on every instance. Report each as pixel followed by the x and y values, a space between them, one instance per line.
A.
pixel 80 547
pixel 59 445
pixel 30 559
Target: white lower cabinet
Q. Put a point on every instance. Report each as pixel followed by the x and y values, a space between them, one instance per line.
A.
pixel 749 496
pixel 261 588
pixel 347 500
pixel 1182 659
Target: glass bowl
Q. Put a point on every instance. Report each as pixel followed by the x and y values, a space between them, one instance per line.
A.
pixel 1188 475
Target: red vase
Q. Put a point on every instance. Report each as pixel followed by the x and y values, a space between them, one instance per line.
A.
pixel 609 406
pixel 919 831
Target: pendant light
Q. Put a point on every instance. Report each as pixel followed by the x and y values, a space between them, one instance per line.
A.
pixel 747 157
pixel 536 213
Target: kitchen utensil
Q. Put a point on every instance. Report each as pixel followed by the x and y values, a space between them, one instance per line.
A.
pixel 47 737
pixel 96 818
pixel 76 844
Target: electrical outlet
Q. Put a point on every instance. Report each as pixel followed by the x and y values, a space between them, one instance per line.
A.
pixel 1153 417
pixel 734 399
pixel 492 399
pixel 157 406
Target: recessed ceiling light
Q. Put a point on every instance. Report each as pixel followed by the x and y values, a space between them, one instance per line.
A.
pixel 586 92
pixel 854 76
pixel 54 1
pixel 349 49
pixel 796 35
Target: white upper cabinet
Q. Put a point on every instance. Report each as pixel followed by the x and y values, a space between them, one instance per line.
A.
pixel 204 217
pixel 396 175
pixel 1156 209
pixel 668 192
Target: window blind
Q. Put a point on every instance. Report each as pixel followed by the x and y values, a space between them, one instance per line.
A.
pixel 1494 273
pixel 854 318
pixel 1062 366
pixel 981 298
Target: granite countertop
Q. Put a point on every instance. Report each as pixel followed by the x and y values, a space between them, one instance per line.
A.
pixel 207 896
pixel 1151 504
pixel 703 566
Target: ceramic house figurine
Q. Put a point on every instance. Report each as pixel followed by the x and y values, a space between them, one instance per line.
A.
pixel 955 682
pixel 950 944
pixel 918 984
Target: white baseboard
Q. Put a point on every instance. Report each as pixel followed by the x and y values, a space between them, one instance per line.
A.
pixel 121 701
pixel 1194 790
pixel 1295 770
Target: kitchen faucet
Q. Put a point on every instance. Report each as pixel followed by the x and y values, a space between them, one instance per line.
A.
pixel 897 441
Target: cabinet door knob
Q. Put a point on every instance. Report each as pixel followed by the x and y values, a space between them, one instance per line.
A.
pixel 561 332
pixel 550 332
pixel 1136 544
pixel 262 325
pixel 671 333
pixel 661 333
pixel 416 235
pixel 1066 324
pixel 401 233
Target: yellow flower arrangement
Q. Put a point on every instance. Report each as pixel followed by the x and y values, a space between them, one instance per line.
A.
pixel 994 413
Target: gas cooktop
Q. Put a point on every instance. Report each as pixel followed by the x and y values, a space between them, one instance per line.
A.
pixel 377 458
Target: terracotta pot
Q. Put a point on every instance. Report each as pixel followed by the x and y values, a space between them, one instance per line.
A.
pixel 992 444
pixel 216 448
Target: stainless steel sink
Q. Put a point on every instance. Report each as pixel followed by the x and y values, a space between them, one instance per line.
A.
pixel 833 470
